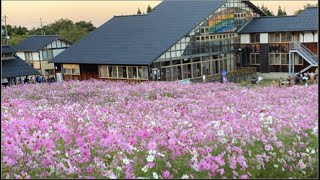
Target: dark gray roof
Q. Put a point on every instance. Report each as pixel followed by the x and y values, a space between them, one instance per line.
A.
pixel 139 39
pixel 35 42
pixel 16 68
pixel 6 49
pixel 306 21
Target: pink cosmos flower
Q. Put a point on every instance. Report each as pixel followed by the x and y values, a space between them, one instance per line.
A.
pixel 166 174
pixel 267 147
pixel 244 176
pixel 152 145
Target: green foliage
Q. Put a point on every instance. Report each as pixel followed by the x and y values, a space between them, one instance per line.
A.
pixel 281 12
pixel 65 28
pixel 73 33
pixel 266 10
pixel 139 12
pixel 149 9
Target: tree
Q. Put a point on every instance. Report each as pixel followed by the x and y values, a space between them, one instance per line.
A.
pixel 139 12
pixel 149 9
pixel 88 26
pixel 62 27
pixel 266 10
pixel 73 33
pixel 281 12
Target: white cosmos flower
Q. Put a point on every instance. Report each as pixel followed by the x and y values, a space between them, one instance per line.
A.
pixel 195 166
pixel 126 161
pixel 152 152
pixel 269 119
pixel 313 151
pixel 112 176
pixel 144 169
pixel 221 133
pixel 276 165
pixel 307 150
pixel 185 176
pixel 150 158
pixel 155 175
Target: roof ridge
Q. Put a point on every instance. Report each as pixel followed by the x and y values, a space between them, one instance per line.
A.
pixel 274 16
pixel 130 15
pixel 46 35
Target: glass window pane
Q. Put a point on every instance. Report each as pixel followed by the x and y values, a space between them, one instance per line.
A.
pixel 257 58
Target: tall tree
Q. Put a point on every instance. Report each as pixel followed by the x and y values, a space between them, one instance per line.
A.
pixel 281 12
pixel 139 12
pixel 266 10
pixel 149 9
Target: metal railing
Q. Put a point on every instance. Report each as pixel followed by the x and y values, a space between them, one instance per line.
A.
pixel 304 51
pixel 304 48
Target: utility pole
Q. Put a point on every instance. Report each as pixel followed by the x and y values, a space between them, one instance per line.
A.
pixel 41 26
pixel 6 29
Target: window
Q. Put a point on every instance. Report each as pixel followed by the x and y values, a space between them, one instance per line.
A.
pixel 103 71
pixel 47 54
pixel 278 58
pixel 143 72
pixel 284 58
pixel 122 71
pixel 280 37
pixel 112 70
pixel 28 55
pixel 71 69
pixel 49 72
pixel 132 73
pixel 255 59
pixel 255 38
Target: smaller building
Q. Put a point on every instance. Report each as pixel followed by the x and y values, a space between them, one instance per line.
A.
pixel 13 67
pixel 37 50
pixel 281 45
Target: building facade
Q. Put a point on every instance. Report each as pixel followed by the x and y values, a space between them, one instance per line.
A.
pixel 13 67
pixel 178 40
pixel 281 45
pixel 37 50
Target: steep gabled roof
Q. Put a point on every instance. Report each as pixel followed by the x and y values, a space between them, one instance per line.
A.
pixel 6 49
pixel 37 42
pixel 306 21
pixel 139 39
pixel 16 68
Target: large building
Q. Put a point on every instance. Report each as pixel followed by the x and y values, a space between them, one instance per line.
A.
pixel 177 40
pixel 13 67
pixel 37 50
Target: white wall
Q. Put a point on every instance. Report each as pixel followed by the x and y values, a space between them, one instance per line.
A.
pixel 264 38
pixel 301 37
pixel 21 55
pixel 35 55
pixel 41 55
pixel 315 37
pixel 57 51
pixel 57 44
pixel 308 37
pixel 244 38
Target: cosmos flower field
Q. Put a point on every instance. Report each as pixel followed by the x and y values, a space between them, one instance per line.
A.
pixel 101 129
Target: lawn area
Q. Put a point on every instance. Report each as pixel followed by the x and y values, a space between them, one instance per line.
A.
pixel 102 129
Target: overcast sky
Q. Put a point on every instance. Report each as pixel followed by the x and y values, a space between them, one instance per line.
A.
pixel 28 13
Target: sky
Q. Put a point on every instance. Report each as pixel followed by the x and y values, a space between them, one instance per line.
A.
pixel 28 13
